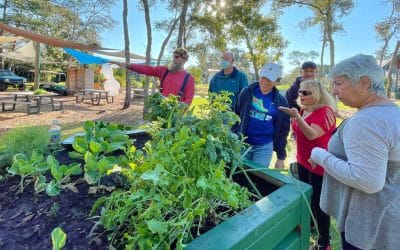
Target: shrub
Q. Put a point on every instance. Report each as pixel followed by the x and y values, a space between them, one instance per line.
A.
pixel 21 140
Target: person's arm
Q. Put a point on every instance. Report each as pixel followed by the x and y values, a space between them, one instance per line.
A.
pixel 312 131
pixel 156 71
pixel 188 93
pixel 367 156
pixel 292 94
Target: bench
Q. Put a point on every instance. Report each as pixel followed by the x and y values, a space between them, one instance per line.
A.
pixel 80 97
pixel 48 100
pixel 32 107
pixel 57 102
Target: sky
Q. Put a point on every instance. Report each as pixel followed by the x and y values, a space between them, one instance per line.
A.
pixel 359 36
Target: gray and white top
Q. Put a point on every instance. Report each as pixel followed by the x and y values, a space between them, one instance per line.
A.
pixel 361 186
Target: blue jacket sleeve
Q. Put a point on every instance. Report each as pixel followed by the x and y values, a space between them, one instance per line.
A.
pixel 292 93
pixel 282 133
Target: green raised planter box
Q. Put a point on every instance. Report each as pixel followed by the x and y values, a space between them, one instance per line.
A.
pixel 280 220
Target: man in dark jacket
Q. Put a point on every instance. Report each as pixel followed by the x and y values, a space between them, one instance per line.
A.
pixel 264 125
pixel 308 71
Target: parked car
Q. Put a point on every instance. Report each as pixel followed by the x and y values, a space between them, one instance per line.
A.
pixel 9 78
pixel 59 89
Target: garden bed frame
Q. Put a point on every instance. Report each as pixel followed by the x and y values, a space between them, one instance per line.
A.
pixel 281 220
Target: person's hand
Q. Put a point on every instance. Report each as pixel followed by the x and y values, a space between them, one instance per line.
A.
pixel 317 157
pixel 292 112
pixel 312 163
pixel 280 164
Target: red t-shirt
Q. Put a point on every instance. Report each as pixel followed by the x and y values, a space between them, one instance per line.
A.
pixel 172 82
pixel 323 118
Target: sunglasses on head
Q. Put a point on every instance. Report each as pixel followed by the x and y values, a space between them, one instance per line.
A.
pixel 304 92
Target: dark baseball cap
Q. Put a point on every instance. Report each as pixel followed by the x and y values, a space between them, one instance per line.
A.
pixel 308 64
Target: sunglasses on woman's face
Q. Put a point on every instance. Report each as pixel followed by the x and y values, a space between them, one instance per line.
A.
pixel 304 92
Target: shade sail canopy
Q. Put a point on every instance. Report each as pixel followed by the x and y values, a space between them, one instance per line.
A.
pixel 56 42
pixel 121 53
pixel 9 39
pixel 26 53
pixel 85 58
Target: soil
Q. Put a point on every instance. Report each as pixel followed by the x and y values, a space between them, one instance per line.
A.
pixel 27 219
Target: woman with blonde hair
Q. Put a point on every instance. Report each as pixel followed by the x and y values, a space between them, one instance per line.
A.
pixel 313 127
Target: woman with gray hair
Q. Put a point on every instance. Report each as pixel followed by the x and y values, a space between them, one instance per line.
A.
pixel 313 127
pixel 361 186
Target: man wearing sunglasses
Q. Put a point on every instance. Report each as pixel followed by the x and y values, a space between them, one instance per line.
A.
pixel 229 78
pixel 308 71
pixel 174 79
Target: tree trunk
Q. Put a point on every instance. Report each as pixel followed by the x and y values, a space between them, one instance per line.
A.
pixel 385 45
pixel 392 66
pixel 128 95
pixel 182 22
pixel 330 37
pixel 4 20
pixel 148 49
pixel 252 56
pixel 163 45
pixel 321 70
pixel 37 65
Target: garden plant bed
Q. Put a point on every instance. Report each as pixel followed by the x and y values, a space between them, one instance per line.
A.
pixel 27 219
pixel 168 195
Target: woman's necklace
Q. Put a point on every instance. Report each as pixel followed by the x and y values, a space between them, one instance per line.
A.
pixel 309 109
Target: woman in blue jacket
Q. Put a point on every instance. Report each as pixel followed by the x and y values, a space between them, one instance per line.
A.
pixel 265 127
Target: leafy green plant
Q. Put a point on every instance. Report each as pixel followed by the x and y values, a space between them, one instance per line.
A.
pixel 180 180
pixel 96 147
pixel 61 175
pixel 36 166
pixel 29 167
pixel 58 238
pixel 39 92
pixel 22 140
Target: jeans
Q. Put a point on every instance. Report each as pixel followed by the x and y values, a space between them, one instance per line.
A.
pixel 323 220
pixel 261 154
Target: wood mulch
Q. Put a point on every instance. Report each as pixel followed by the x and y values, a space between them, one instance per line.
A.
pixel 75 112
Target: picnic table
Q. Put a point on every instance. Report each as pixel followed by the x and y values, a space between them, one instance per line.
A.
pixel 33 102
pixel 95 95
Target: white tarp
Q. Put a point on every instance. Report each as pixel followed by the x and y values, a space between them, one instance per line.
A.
pixel 10 39
pixel 110 84
pixel 25 54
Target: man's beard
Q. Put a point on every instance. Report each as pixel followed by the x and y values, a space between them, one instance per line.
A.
pixel 174 67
